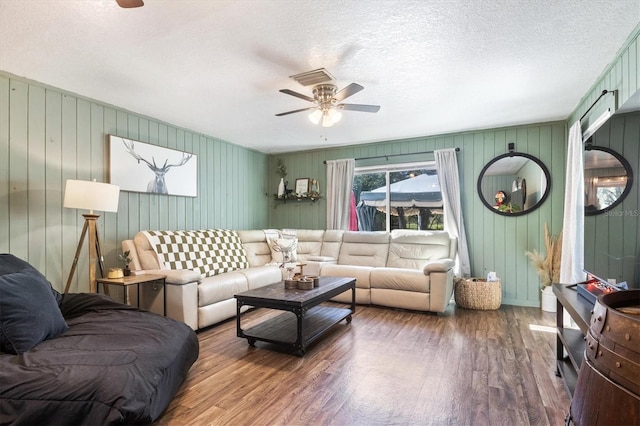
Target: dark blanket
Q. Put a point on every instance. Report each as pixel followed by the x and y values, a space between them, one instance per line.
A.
pixel 115 364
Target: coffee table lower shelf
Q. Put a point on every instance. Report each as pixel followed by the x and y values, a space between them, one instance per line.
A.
pixel 284 330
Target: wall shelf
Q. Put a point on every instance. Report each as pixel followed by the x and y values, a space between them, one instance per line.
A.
pixel 293 198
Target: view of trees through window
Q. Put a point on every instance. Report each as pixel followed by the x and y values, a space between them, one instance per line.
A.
pixel 411 196
pixel 608 195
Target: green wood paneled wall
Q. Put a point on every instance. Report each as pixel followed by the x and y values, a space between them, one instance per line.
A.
pixel 616 252
pixel 48 136
pixel 619 230
pixel 496 243
pixel 623 75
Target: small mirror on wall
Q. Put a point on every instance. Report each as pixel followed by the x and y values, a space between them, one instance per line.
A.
pixel 514 184
pixel 607 179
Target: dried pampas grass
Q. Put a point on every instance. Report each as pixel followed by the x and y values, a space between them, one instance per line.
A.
pixel 548 266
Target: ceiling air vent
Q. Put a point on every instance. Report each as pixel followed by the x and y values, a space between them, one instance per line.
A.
pixel 311 78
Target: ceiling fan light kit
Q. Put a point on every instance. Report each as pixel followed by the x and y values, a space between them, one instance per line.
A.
pixel 327 117
pixel 315 116
pixel 333 115
pixel 326 98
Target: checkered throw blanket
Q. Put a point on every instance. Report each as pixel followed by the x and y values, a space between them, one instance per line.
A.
pixel 209 252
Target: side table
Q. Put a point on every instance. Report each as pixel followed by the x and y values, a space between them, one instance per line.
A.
pixel 135 280
pixel 570 340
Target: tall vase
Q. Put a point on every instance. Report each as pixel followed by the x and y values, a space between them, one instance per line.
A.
pixel 281 188
pixel 548 300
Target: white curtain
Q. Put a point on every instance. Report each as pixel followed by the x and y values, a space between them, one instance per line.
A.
pixel 339 185
pixel 447 165
pixel 572 261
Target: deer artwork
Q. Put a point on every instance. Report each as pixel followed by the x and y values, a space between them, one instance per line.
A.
pixel 156 185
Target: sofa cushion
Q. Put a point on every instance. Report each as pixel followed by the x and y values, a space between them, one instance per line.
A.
pixel 256 247
pixel 364 249
pixel 401 299
pixel 331 243
pixel 400 279
pixel 29 311
pixel 209 252
pixel 261 276
pixel 415 249
pixel 146 252
pixel 309 243
pixel 360 273
pixel 323 259
pixel 221 287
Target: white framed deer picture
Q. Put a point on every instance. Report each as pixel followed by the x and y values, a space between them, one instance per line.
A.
pixel 142 167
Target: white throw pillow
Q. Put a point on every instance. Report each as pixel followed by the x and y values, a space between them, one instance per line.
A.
pixel 279 246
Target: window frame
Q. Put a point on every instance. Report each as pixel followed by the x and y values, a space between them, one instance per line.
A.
pixel 387 169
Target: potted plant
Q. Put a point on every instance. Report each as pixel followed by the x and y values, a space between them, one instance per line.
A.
pixel 281 170
pixel 548 266
pixel 126 258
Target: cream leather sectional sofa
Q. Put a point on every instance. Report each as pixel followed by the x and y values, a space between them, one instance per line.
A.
pixel 401 269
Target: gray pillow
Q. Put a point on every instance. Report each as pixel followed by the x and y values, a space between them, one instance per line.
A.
pixel 29 311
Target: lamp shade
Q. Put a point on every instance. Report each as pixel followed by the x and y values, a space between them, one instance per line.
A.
pixel 330 117
pixel 91 195
pixel 327 116
pixel 315 116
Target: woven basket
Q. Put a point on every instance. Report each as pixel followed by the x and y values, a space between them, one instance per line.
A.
pixel 478 293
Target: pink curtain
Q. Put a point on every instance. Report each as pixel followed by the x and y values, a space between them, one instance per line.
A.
pixel 353 216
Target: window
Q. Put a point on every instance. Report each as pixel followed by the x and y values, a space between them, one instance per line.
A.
pixel 609 189
pixel 402 196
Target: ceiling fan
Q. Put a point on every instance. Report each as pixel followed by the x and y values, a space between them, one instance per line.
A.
pixel 127 4
pixel 327 102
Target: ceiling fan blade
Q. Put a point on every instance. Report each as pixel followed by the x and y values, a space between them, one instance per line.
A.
pixel 351 89
pixel 127 4
pixel 359 107
pixel 294 111
pixel 297 95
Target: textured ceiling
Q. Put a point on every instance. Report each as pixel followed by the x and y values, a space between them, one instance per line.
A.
pixel 434 66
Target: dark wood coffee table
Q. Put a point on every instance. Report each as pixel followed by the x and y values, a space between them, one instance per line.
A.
pixel 310 319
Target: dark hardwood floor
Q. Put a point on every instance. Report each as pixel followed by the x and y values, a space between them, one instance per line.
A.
pixel 388 367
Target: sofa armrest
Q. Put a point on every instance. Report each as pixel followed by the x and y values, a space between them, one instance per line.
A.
pixel 441 265
pixel 440 273
pixel 173 276
pixel 181 293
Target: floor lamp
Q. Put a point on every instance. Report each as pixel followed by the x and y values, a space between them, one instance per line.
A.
pixel 90 195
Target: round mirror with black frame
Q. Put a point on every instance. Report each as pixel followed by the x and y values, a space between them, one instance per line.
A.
pixel 607 179
pixel 514 184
